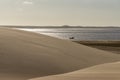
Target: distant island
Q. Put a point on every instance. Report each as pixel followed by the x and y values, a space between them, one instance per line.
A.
pixel 63 26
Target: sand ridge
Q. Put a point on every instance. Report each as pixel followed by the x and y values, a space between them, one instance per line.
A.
pixel 25 55
pixel 108 71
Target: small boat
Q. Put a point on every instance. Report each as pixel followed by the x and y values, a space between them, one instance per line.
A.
pixel 71 37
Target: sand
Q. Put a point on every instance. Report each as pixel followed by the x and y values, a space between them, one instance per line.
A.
pixel 110 71
pixel 111 48
pixel 25 55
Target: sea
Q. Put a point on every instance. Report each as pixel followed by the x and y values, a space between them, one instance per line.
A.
pixel 79 33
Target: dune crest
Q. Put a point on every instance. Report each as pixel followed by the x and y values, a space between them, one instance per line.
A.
pixel 110 71
pixel 24 55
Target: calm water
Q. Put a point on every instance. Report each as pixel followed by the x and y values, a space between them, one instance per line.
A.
pixel 80 34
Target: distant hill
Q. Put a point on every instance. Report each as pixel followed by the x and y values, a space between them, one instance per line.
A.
pixel 64 26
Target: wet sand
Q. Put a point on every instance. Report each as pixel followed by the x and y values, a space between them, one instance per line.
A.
pixel 113 49
pixel 110 46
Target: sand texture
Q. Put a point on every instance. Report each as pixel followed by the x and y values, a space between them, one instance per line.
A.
pixel 26 55
pixel 109 71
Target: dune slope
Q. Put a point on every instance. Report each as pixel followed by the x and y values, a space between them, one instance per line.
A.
pixel 109 71
pixel 25 55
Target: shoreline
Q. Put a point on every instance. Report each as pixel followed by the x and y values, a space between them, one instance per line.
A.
pixel 101 42
pixel 109 46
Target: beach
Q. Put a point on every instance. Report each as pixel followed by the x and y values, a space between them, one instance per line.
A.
pixel 27 55
pixel 110 46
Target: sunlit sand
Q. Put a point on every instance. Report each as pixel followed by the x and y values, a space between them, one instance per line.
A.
pixel 109 71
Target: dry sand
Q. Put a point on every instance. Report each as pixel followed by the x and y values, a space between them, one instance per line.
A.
pixel 109 71
pixel 25 55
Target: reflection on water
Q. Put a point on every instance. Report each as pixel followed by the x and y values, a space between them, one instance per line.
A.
pixel 79 34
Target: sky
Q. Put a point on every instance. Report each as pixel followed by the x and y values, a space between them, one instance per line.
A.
pixel 60 12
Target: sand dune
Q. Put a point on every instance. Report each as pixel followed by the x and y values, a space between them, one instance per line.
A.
pixel 109 71
pixel 25 55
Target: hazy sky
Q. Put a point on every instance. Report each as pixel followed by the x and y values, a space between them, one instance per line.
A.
pixel 60 12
